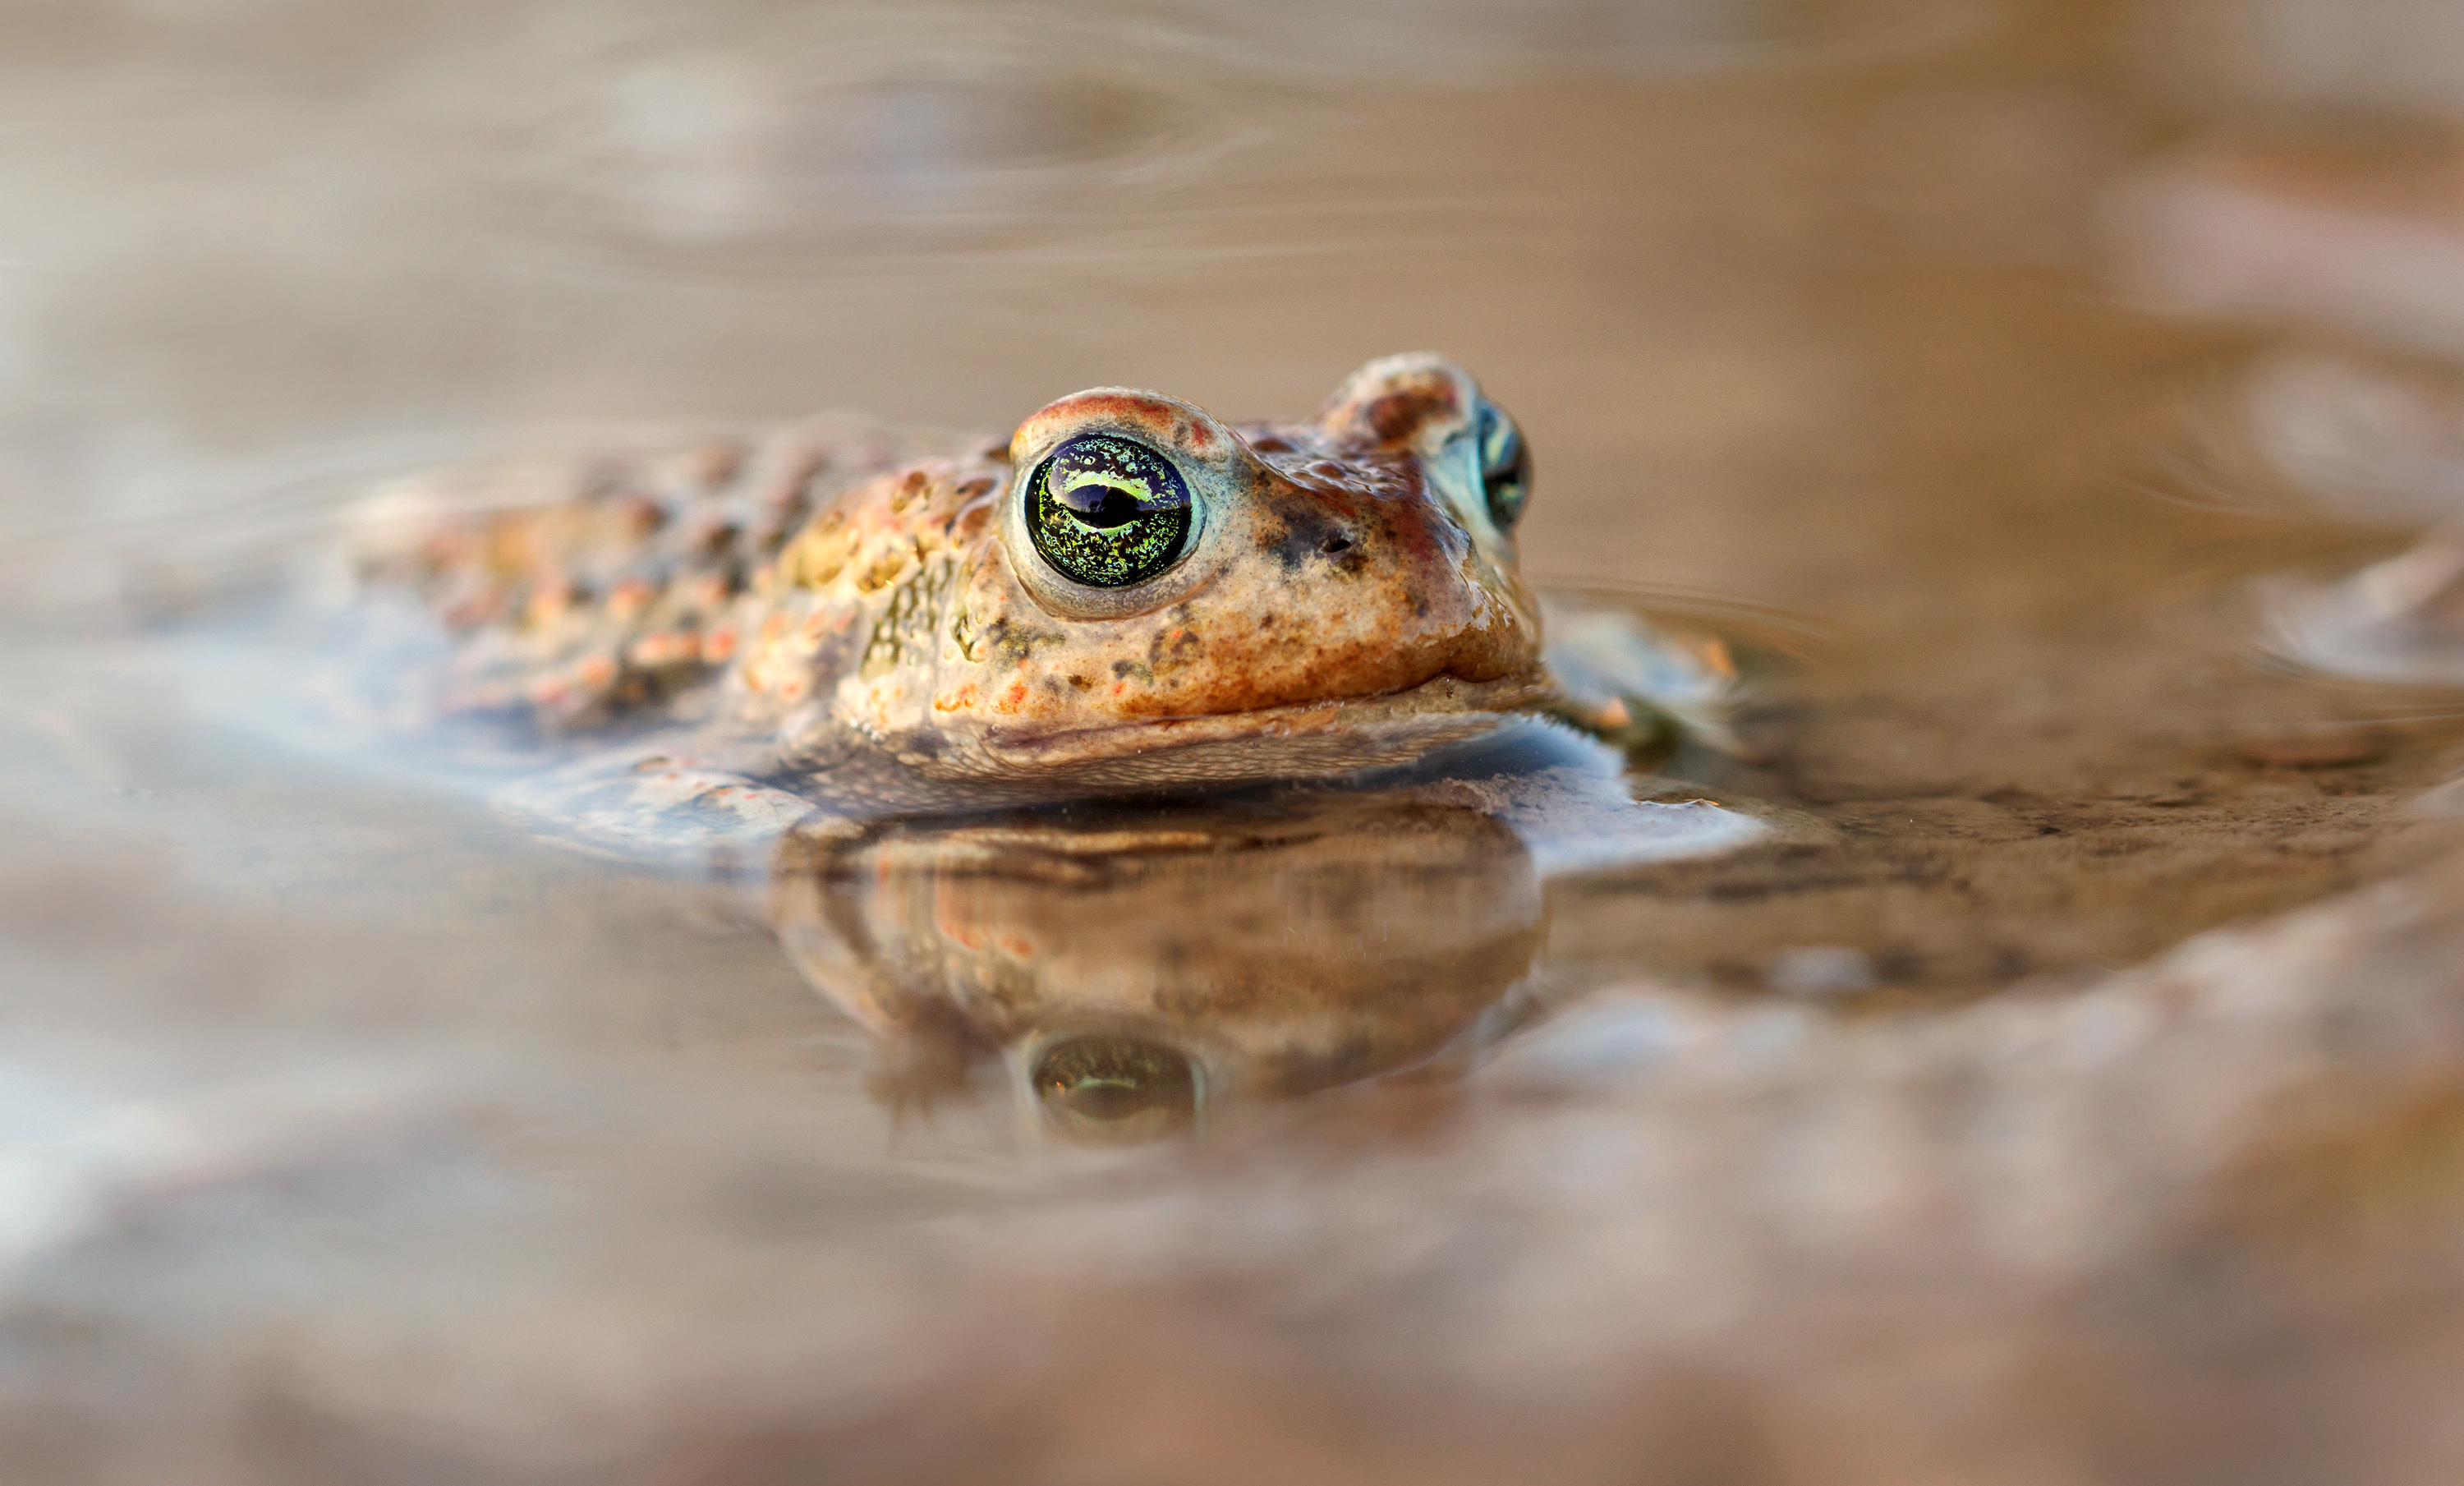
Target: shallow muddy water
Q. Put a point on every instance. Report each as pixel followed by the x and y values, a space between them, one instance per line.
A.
pixel 2013 391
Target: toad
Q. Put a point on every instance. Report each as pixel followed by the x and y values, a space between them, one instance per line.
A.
pixel 1126 596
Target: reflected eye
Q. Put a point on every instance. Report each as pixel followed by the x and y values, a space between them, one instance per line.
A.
pixel 1118 1091
pixel 1107 512
pixel 1504 466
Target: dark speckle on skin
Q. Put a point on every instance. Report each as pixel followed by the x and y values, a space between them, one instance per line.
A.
pixel 911 615
pixel 1177 643
pixel 1016 643
pixel 1308 535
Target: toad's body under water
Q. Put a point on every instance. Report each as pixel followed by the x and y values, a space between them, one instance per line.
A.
pixel 1129 596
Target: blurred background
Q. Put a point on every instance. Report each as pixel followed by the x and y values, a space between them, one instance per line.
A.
pixel 250 241
pixel 2014 381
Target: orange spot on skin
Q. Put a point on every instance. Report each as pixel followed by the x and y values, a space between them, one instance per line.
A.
pixel 596 670
pixel 774 628
pixel 720 644
pixel 629 598
pixel 1012 945
pixel 548 604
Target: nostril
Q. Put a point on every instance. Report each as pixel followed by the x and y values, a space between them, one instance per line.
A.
pixel 1333 545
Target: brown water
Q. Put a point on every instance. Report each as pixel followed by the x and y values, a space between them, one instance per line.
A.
pixel 345 1132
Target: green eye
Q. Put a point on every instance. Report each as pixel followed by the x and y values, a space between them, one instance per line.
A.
pixel 1504 466
pixel 1107 512
pixel 1116 1091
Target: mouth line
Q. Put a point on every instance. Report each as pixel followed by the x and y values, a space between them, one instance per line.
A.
pixel 1444 703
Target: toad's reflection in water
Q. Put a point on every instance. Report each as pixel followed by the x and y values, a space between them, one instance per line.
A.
pixel 1135 968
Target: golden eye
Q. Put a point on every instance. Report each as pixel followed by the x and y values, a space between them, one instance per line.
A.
pixel 1108 511
pixel 1504 466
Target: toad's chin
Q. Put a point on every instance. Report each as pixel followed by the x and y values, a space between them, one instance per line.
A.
pixel 1302 741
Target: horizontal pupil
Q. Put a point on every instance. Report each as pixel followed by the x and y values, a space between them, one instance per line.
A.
pixel 1101 506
